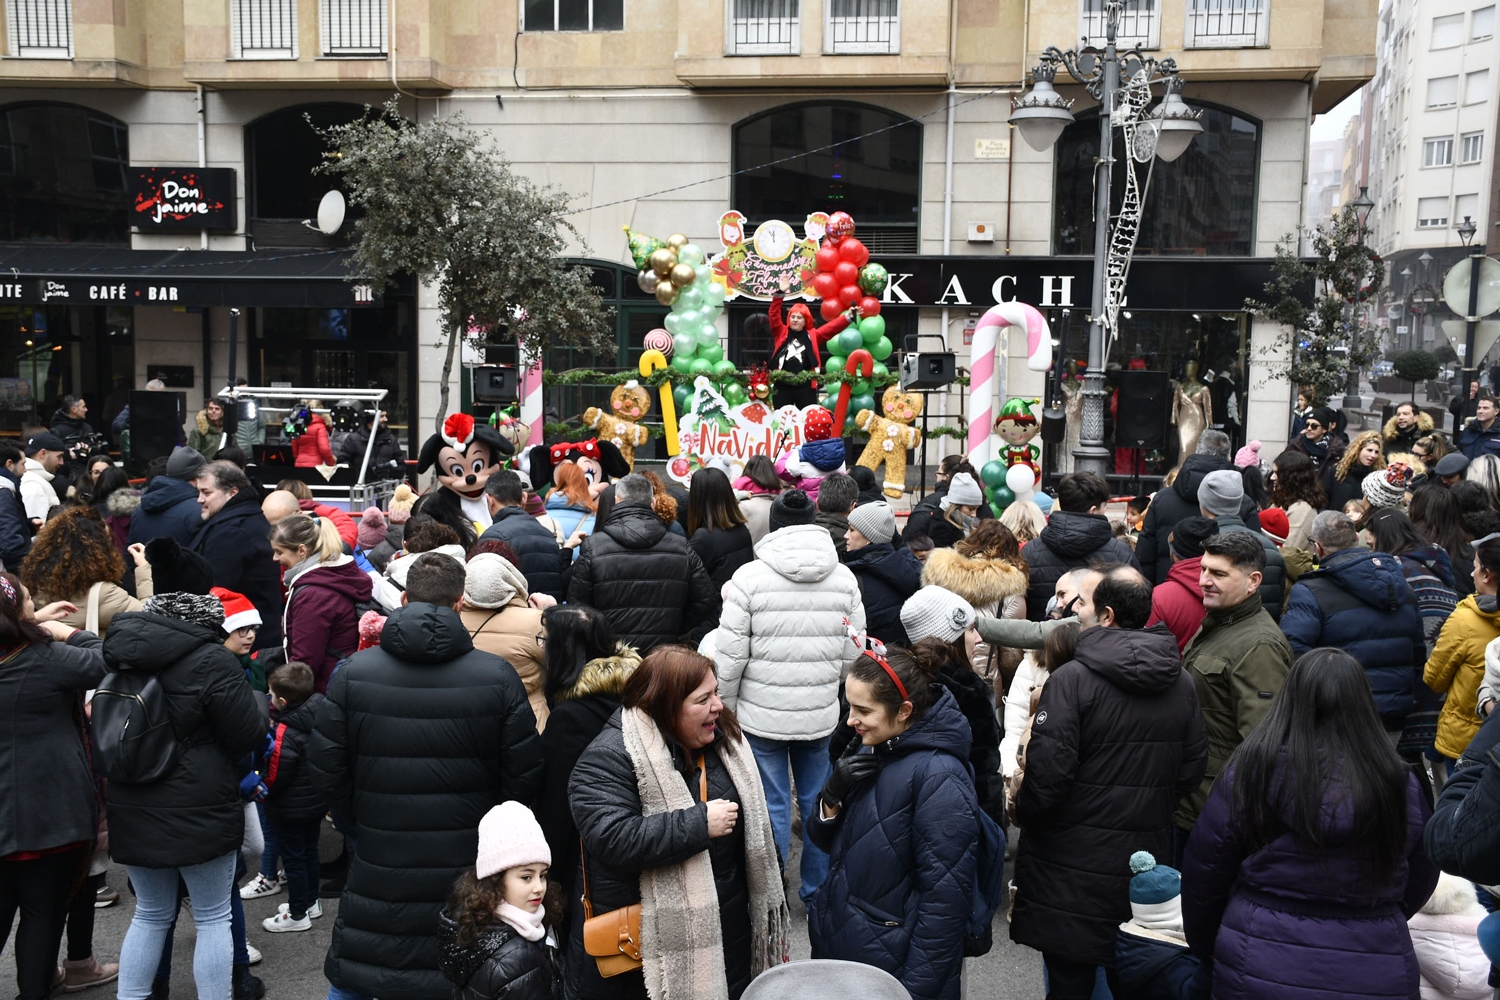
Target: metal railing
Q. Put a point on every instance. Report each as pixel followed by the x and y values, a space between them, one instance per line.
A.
pixel 39 29
pixel 1140 23
pixel 352 27
pixel 855 27
pixel 1228 24
pixel 263 29
pixel 763 28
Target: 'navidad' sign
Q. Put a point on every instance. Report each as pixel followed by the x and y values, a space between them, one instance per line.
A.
pixel 165 198
pixel 712 428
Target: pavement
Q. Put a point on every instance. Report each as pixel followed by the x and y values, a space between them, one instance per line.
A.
pixel 293 965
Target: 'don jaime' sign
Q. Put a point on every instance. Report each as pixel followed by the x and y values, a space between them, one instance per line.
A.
pixel 165 198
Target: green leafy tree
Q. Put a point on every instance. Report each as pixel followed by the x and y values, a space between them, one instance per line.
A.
pixel 1445 354
pixel 439 201
pixel 1416 366
pixel 1316 300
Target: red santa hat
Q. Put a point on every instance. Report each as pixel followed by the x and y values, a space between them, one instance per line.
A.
pixel 238 611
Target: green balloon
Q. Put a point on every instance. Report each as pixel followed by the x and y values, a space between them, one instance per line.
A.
pixel 879 371
pixel 881 349
pixel 850 427
pixel 734 394
pixel 692 297
pixel 706 333
pixel 701 278
pixel 861 401
pixel 1002 496
pixel 872 278
pixel 682 363
pixel 713 295
pixel 712 353
pixel 993 474
pixel 871 328
pixel 691 254
pixel 861 387
pixel 723 368
pixel 835 364
pixel 682 394
pixel 702 366
pixel 848 342
pixel 827 402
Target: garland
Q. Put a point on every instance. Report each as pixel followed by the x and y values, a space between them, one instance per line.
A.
pixel 594 376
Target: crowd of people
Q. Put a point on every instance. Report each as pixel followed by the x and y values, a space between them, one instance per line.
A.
pixel 1234 734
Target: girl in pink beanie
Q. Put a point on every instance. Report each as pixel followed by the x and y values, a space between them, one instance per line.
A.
pixel 1248 456
pixel 493 933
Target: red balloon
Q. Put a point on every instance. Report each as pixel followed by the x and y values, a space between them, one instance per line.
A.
pixel 828 258
pixel 850 294
pixel 826 285
pixel 869 306
pixel 831 309
pixel 846 274
pixel 854 252
pixel 839 226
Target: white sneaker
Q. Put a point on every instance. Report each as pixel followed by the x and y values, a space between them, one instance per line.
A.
pixel 284 922
pixel 259 886
pixel 316 910
pixel 253 952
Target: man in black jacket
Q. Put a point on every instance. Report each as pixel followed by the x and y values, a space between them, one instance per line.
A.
pixel 236 541
pixel 1463 835
pixel 649 584
pixel 417 739
pixel 1116 741
pixel 386 457
pixel 1077 535
pixel 15 527
pixel 1173 503
pixel 542 559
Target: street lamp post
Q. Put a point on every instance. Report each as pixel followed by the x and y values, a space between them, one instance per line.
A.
pixel 1408 343
pixel 1362 206
pixel 1122 83
pixel 1466 231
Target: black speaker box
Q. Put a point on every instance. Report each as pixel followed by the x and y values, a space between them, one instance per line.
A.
pixel 1054 426
pixel 494 384
pixel 1145 406
pixel 155 425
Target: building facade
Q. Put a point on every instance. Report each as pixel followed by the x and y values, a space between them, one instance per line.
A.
pixel 653 116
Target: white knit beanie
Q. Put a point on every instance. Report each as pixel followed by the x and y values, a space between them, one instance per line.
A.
pixel 492 581
pixel 962 490
pixel 509 835
pixel 933 612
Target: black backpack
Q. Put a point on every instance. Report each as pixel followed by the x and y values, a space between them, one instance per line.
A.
pixel 130 729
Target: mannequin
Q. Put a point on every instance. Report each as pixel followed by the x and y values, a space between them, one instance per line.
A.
pixel 1192 410
pixel 1072 388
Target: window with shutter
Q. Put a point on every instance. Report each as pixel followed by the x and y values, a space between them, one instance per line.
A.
pixel 1477 87
pixel 1437 152
pixel 1432 213
pixel 263 29
pixel 1465 206
pixel 39 29
pixel 352 27
pixel 1442 92
pixel 1484 23
pixel 1448 31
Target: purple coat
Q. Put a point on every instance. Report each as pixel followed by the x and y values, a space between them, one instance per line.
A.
pixel 322 623
pixel 1293 922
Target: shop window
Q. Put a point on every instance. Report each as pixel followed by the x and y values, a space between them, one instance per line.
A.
pixel 62 175
pixel 1202 203
pixel 282 153
pixel 864 160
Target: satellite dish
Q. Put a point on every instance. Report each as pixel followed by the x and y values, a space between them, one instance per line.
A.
pixel 331 213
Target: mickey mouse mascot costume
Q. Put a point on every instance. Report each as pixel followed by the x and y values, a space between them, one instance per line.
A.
pixel 464 455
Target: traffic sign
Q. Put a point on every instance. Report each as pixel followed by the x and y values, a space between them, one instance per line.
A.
pixel 1456 286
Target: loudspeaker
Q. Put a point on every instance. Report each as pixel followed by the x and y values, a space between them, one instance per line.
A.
pixel 1143 411
pixel 494 384
pixel 155 425
pixel 1054 426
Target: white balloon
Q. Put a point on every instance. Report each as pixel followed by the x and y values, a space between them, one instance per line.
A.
pixel 1020 479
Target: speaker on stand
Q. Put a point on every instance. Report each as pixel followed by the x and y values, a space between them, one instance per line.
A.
pixel 155 426
pixel 1144 410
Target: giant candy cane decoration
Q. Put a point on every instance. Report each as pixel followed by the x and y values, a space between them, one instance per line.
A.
pixel 985 361
pixel 531 396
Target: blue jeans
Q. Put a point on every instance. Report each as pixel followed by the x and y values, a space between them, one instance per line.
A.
pixel 298 841
pixel 809 767
pixel 339 993
pixel 271 852
pixel 210 885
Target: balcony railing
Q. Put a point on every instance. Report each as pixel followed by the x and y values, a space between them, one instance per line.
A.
pixel 763 28
pixel 39 29
pixel 1228 24
pixel 857 27
pixel 1140 23
pixel 352 27
pixel 263 29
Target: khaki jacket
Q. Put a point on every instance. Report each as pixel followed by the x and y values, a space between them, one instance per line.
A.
pixel 514 633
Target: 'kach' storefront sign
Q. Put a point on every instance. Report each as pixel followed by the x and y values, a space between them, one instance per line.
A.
pixel 174 198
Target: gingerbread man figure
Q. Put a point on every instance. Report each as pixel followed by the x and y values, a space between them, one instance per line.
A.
pixel 890 437
pixel 629 403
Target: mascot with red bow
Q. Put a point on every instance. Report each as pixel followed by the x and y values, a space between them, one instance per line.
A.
pixel 600 461
pixel 464 456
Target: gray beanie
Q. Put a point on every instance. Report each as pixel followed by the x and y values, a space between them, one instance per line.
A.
pixel 184 464
pixel 792 507
pixel 933 612
pixel 1222 492
pixel 964 491
pixel 876 521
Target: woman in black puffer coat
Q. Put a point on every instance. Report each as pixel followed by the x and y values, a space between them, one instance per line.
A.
pixel 899 820
pixel 191 822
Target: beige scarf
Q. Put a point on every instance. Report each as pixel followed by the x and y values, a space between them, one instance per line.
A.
pixel 682 946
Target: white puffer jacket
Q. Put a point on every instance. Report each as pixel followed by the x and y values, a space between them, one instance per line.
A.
pixel 1443 934
pixel 782 647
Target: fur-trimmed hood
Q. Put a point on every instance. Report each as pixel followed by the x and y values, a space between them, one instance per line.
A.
pixel 122 503
pixel 981 582
pixel 1424 426
pixel 606 675
pixel 1453 895
pixel 204 427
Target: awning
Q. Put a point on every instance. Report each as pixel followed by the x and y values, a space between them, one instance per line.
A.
pixel 88 276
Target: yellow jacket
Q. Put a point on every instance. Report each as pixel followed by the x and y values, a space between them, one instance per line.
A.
pixel 1456 666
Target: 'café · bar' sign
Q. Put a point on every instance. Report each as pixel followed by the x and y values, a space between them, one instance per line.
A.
pixel 176 198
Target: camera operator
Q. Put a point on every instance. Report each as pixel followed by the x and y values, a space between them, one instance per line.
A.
pixel 68 422
pixel 386 458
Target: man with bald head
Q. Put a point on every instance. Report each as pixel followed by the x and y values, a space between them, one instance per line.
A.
pixel 280 504
pixel 1116 741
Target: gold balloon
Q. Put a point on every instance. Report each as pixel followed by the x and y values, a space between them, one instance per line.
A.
pixel 666 292
pixel 683 275
pixel 677 241
pixel 662 261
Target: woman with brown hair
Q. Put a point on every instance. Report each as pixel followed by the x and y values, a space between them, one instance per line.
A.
pixel 1295 489
pixel 716 528
pixel 985 569
pixel 74 559
pixel 1341 482
pixel 663 502
pixel 669 807
pixel 756 490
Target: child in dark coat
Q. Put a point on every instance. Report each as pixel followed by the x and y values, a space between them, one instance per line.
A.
pixel 1152 961
pixel 493 933
pixel 294 810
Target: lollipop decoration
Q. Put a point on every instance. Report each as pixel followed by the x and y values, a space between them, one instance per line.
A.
pixel 985 361
pixel 659 340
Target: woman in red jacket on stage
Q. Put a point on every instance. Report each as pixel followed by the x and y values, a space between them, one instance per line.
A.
pixel 796 345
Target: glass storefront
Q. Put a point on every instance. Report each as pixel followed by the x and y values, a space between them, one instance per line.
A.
pixel 51 351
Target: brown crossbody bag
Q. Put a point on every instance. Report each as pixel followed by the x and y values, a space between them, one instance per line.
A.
pixel 613 939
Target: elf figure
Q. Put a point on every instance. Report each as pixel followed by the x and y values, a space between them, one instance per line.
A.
pixel 1017 425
